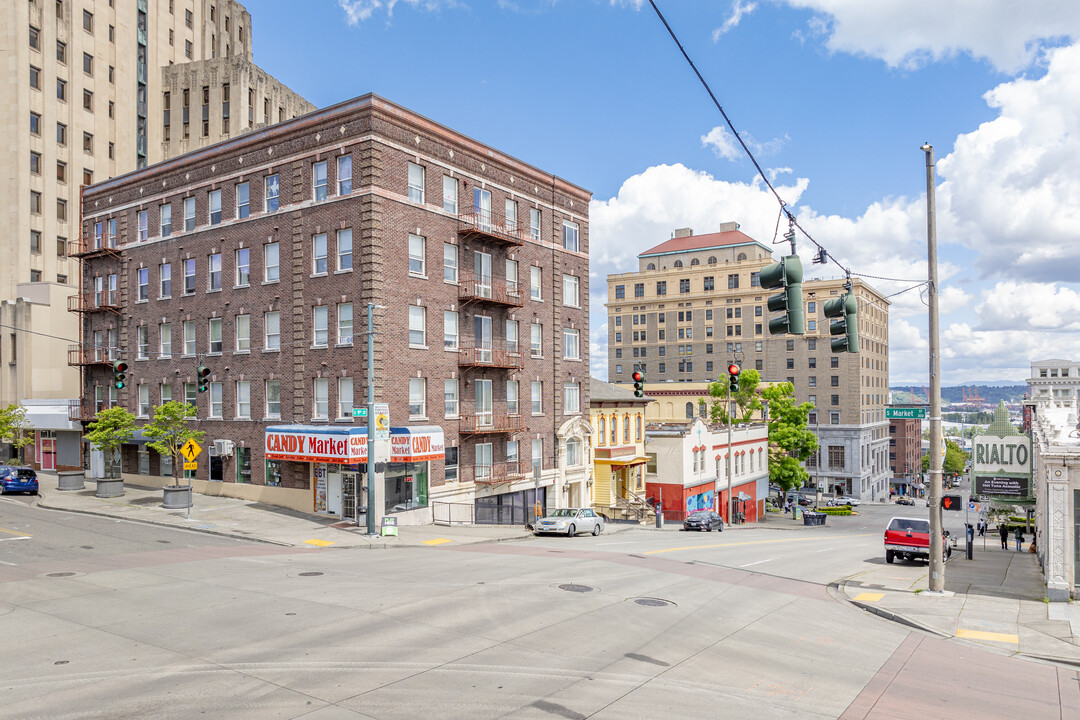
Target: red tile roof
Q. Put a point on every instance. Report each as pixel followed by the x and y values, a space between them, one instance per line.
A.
pixel 700 242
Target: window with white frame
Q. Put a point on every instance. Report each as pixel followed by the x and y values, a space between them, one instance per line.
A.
pixel 318 180
pixel 416 183
pixel 450 263
pixel 344 397
pixel 345 323
pixel 189 337
pixel 536 333
pixel 570 235
pixel 215 399
pixel 571 398
pixel 417 397
pixel 243 399
pixel 272 191
pixel 214 268
pixel 512 451
pixel 214 199
pixel 449 194
pixel 271 268
pixel 512 336
pixel 243 200
pixel 320 327
pixel 143 342
pixel 243 267
pixel 450 330
pixel 243 334
pixel 344 174
pixel 571 291
pixel 512 397
pixel 143 275
pixel 165 277
pixel 417 256
pixel 511 215
pixel 318 254
pixel 272 330
pixel 144 400
pixel 143 218
pixel 511 275
pixel 273 398
pixel 534 223
pixel 450 397
pixel 214 348
pixel 538 452
pixel 417 325
pixel 537 388
pixel 164 340
pixel 571 349
pixel 165 392
pixel 165 217
pixel 344 249
pixel 535 278
pixel 573 452
pixel 189 214
pixel 321 407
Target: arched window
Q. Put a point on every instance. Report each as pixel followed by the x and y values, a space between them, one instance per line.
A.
pixel 637 429
pixel 694 262
pixel 712 259
pixel 614 430
pixel 573 452
pixel 650 266
pixel 689 411
pixel 741 256
pixel 601 436
pixel 678 263
pixel 626 428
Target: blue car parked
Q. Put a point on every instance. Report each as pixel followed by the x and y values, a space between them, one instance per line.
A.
pixel 18 478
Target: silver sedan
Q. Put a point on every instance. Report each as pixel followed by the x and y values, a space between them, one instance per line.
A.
pixel 570 521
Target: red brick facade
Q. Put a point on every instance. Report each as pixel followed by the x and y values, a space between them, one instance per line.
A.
pixel 382 140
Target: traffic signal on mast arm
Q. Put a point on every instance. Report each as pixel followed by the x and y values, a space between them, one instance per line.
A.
pixel 845 309
pixel 119 373
pixel 202 376
pixel 733 378
pixel 639 383
pixel 786 274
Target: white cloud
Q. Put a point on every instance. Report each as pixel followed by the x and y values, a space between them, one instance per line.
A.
pixel 738 10
pixel 1011 306
pixel 722 143
pixel 357 11
pixel 904 33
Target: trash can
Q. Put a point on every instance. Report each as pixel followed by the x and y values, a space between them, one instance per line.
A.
pixel 814 518
pixel 796 512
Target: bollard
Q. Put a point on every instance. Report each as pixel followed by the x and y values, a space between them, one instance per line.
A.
pixel 970 545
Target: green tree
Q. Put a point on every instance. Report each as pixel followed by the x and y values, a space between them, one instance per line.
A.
pixel 169 430
pixel 955 457
pixel 15 429
pixel 790 442
pixel 114 427
pixel 747 399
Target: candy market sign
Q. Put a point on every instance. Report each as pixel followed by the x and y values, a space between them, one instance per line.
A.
pixel 348 446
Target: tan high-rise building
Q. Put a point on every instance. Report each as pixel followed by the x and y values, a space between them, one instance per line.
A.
pixel 696 304
pixel 85 100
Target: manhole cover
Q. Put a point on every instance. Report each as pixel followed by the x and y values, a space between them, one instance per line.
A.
pixel 652 602
pixel 60 574
pixel 572 587
pixel 310 574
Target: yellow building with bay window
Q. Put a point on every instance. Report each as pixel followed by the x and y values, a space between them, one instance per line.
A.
pixel 618 446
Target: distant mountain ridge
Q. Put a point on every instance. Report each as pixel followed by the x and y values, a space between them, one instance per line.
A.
pixel 990 394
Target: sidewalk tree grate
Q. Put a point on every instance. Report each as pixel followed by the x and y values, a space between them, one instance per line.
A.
pixel 652 602
pixel 572 587
pixel 310 574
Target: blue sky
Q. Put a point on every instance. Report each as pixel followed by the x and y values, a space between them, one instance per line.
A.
pixel 834 96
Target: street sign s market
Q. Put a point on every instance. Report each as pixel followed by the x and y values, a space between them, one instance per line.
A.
pixel 905 413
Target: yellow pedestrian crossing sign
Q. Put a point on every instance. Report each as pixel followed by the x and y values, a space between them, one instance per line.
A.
pixel 190 450
pixel 191 465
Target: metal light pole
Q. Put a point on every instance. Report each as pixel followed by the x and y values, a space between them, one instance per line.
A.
pixel 937 550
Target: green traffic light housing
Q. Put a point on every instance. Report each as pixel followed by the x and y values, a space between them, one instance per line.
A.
pixel 639 384
pixel 845 310
pixel 202 375
pixel 733 378
pixel 120 369
pixel 786 274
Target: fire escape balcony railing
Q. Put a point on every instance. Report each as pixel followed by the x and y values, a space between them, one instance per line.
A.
pixel 485 357
pixel 85 247
pixel 495 422
pixel 95 301
pixel 485 227
pixel 492 473
pixel 488 290
pixel 91 355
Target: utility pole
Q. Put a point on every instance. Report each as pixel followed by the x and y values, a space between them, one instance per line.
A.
pixel 370 418
pixel 937 550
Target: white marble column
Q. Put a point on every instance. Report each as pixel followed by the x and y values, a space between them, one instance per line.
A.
pixel 1058 558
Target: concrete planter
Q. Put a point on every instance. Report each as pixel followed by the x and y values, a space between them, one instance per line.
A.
pixel 109 487
pixel 176 497
pixel 68 480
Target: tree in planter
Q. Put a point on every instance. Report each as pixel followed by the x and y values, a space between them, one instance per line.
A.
pixel 114 427
pixel 790 441
pixel 15 429
pixel 747 399
pixel 169 430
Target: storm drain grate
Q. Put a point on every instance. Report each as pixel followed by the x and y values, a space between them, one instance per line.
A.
pixel 310 574
pixel 652 602
pixel 572 587
pixel 60 574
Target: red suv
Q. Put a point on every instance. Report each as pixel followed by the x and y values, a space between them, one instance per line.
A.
pixel 909 538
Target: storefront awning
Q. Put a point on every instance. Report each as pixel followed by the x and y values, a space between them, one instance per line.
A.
pixel 622 461
pixel 50 417
pixel 348 445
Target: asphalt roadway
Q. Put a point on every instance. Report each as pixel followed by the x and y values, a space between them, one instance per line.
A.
pixel 108 619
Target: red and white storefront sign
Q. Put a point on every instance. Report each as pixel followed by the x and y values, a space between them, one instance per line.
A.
pixel 348 446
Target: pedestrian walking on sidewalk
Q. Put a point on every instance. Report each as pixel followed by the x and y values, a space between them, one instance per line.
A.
pixel 982 528
pixel 1019 537
pixel 1003 531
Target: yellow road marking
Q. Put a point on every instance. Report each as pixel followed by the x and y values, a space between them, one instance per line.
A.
pixel 984 635
pixel 753 542
pixel 14 532
pixel 868 597
pixel 436 541
pixel 320 543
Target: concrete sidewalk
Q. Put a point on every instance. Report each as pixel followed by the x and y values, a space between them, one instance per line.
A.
pixel 995 600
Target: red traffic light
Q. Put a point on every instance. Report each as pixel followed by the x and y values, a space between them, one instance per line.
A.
pixel 733 369
pixel 638 377
pixel 120 366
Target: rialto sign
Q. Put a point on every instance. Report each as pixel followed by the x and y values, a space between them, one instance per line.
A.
pixel 348 446
pixel 1003 456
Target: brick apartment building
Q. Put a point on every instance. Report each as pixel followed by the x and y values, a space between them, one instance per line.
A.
pixel 905 456
pixel 258 258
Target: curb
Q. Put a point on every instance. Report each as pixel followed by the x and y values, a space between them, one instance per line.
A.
pixel 838 590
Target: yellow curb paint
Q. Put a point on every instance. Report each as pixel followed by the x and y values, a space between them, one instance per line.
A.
pixel 320 543
pixel 436 541
pixel 984 635
pixel 868 597
pixel 754 542
pixel 14 532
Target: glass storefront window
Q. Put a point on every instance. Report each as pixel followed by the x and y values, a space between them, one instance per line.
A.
pixel 273 473
pixel 406 486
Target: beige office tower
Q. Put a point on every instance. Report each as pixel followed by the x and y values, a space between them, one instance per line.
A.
pixel 696 304
pixel 94 89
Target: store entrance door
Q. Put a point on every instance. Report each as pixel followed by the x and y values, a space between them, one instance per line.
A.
pixel 333 492
pixel 48 450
